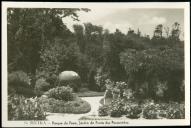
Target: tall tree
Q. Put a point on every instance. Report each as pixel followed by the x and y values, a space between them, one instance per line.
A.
pixel 175 33
pixel 158 31
pixel 29 30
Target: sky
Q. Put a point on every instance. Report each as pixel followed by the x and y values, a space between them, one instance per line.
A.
pixel 143 19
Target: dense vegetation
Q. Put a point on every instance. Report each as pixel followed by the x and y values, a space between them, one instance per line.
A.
pixel 128 105
pixel 40 46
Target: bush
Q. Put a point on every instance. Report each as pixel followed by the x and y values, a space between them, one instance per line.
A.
pixel 150 112
pixel 74 84
pixel 172 111
pixel 52 79
pixel 20 108
pixel 77 106
pixel 103 110
pixel 175 111
pixel 117 108
pixel 162 110
pixel 19 83
pixel 27 92
pixel 128 94
pixel 41 86
pixel 133 111
pixel 61 93
pixel 18 78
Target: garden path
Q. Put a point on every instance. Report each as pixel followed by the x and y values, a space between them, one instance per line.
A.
pixel 94 103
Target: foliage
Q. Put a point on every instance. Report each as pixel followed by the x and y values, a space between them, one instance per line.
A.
pixel 19 83
pixel 41 86
pixel 18 78
pixel 34 27
pixel 133 111
pixel 103 110
pixel 61 93
pixel 150 111
pixel 128 94
pixel 109 84
pixel 175 111
pixel 74 84
pixel 154 66
pixel 116 108
pixel 147 109
pixel 21 108
pixel 40 44
pixel 121 86
pixel 77 106
pixel 52 79
pixel 30 31
pixel 100 79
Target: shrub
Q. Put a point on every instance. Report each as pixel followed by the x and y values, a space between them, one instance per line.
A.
pixel 103 110
pixel 100 78
pixel 41 86
pixel 74 84
pixel 150 112
pixel 162 109
pixel 18 78
pixel 52 79
pixel 27 92
pixel 133 111
pixel 20 108
pixel 171 110
pixel 121 85
pixel 109 84
pixel 175 111
pixel 128 94
pixel 117 108
pixel 19 83
pixel 77 106
pixel 61 93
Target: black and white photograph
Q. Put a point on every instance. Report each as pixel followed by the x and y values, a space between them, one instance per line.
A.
pixel 95 64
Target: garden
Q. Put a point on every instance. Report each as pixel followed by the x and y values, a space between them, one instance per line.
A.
pixel 128 106
pixel 91 73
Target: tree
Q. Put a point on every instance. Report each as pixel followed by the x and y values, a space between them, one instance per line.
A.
pixel 158 31
pixel 175 33
pixel 152 66
pixel 29 31
pixel 93 40
pixel 167 30
pixel 79 33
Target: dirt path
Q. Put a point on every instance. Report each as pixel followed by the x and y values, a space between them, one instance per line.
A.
pixel 93 101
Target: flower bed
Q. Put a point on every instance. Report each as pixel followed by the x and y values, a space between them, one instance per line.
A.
pixel 21 108
pixel 76 106
pixel 147 110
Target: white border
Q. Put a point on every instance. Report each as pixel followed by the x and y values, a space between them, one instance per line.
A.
pixel 181 5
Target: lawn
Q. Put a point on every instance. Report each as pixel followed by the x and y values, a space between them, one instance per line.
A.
pixel 89 94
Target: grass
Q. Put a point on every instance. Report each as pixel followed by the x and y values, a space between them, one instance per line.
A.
pixel 89 94
pixel 94 118
pixel 77 106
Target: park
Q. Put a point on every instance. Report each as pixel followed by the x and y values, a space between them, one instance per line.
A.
pixel 91 73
